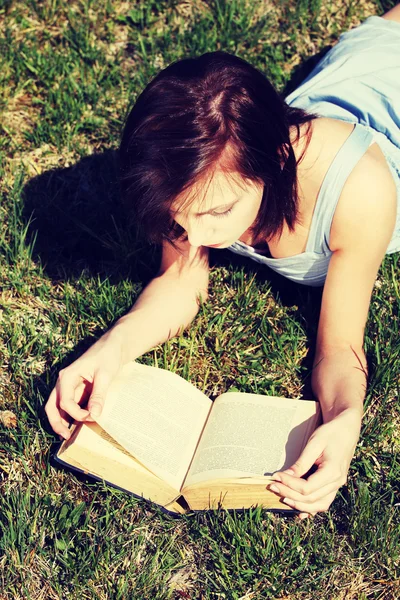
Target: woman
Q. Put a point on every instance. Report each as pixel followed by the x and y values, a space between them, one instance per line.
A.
pixel 212 156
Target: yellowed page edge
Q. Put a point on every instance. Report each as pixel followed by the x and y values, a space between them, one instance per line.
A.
pixel 96 455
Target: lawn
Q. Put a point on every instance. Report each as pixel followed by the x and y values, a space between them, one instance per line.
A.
pixel 69 269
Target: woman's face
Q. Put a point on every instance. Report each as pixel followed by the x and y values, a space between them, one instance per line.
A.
pixel 221 215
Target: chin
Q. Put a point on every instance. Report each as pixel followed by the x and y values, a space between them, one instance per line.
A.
pixel 219 246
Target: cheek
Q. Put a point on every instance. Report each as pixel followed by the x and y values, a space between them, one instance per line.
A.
pixel 247 213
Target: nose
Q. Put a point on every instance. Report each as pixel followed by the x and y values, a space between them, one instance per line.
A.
pixel 198 235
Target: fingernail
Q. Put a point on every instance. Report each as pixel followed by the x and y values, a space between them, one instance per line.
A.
pixel 289 471
pixel 95 410
pixel 273 488
pixel 277 478
pixel 288 501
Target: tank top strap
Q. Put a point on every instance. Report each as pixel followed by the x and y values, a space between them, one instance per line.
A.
pixel 342 165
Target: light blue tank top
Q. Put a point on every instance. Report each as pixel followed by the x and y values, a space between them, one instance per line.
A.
pixel 357 81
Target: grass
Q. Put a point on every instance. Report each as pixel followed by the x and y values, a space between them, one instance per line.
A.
pixel 69 73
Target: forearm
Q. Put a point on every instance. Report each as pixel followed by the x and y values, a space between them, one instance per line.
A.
pixel 164 308
pixel 339 381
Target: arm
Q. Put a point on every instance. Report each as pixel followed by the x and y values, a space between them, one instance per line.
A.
pixel 167 305
pixel 339 378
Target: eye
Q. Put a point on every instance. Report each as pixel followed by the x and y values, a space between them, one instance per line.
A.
pixel 224 214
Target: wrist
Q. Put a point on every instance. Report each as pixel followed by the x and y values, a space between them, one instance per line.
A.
pixel 351 413
pixel 118 337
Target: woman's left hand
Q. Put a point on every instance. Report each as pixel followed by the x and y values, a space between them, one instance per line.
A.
pixel 331 448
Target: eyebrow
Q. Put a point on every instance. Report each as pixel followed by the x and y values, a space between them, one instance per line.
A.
pixel 207 212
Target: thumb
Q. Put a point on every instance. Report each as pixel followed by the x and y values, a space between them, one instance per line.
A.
pixel 311 453
pixel 101 384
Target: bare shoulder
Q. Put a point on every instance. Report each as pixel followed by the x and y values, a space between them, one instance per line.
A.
pixel 327 137
pixel 371 176
pixel 369 195
pixel 393 14
pixel 368 202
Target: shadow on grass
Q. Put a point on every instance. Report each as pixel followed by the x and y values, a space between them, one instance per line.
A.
pixel 302 71
pixel 287 293
pixel 80 225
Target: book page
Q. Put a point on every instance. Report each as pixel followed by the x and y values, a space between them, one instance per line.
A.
pixel 157 416
pixel 95 452
pixel 91 437
pixel 251 435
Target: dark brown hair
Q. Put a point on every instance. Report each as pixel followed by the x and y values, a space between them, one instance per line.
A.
pixel 199 114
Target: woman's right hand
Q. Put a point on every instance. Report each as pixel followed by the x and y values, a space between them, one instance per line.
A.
pixel 88 377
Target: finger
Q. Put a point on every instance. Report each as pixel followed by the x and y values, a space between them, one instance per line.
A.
pixel 66 386
pixel 58 423
pixel 320 506
pixel 298 484
pixel 101 384
pixel 305 496
pixel 304 515
pixel 311 453
pixel 82 393
pixel 326 474
pixel 65 417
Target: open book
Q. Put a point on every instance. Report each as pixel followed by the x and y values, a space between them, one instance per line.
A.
pixel 162 439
